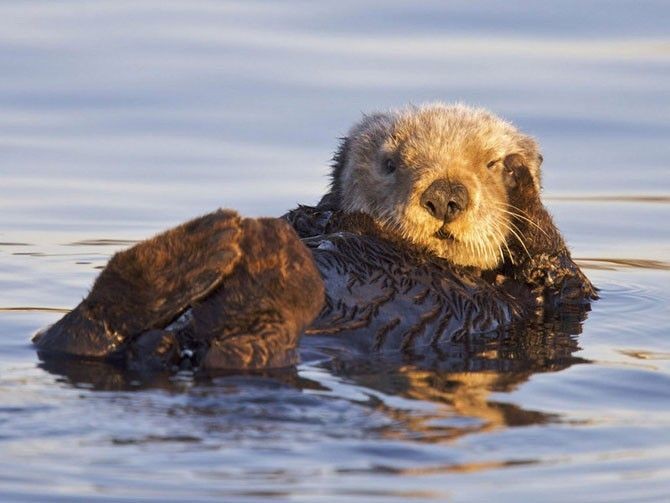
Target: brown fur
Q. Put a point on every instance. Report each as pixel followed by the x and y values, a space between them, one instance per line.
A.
pixel 255 319
pixel 251 283
pixel 148 285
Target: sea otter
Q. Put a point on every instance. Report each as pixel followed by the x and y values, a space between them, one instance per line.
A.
pixel 433 228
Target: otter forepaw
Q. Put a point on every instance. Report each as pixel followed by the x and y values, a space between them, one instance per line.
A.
pixel 153 350
pixel 79 333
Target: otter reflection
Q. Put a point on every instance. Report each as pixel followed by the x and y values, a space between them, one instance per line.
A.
pixel 459 378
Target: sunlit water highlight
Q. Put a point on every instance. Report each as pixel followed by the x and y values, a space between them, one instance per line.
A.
pixel 119 119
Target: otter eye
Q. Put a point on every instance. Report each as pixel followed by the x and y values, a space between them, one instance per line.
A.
pixel 389 166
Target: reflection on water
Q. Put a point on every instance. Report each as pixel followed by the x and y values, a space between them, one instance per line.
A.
pixel 118 119
pixel 457 380
pixel 615 198
pixel 461 376
pixel 614 263
pixel 33 308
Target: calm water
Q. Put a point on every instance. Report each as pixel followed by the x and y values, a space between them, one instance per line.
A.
pixel 120 118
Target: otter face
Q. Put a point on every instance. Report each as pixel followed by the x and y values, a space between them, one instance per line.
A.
pixel 438 176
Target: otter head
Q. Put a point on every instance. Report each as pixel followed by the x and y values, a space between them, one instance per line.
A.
pixel 438 176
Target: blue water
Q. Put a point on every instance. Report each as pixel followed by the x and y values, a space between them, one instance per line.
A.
pixel 120 118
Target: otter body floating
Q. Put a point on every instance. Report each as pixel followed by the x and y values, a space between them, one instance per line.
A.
pixel 433 229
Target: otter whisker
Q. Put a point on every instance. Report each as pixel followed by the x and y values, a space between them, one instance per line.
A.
pixel 488 246
pixel 483 240
pixel 511 257
pixel 498 223
pixel 510 205
pixel 529 221
pixel 507 224
pixel 520 216
pixel 486 239
pixel 502 255
pixel 525 238
pixel 519 239
pixel 479 243
pixel 504 242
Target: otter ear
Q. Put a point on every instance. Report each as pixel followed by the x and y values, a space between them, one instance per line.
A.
pixel 333 198
pixel 371 130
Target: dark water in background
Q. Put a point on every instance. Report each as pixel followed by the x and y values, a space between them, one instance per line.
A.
pixel 120 118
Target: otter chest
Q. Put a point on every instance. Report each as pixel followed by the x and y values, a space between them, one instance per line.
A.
pixel 385 298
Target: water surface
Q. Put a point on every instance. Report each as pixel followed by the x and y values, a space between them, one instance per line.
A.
pixel 119 119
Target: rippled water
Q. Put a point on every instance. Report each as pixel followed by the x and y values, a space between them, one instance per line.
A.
pixel 120 118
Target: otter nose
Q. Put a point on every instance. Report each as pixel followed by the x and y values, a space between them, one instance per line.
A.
pixel 445 200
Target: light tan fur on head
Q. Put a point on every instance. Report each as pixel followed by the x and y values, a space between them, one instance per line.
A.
pixel 388 160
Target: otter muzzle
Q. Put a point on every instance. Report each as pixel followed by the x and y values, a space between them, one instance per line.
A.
pixel 445 200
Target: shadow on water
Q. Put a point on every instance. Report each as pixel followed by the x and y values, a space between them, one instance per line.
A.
pixel 457 378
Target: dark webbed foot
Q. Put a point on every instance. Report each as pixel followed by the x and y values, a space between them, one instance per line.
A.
pixel 154 350
pixel 148 285
pixel 255 319
pixel 251 287
pixel 79 333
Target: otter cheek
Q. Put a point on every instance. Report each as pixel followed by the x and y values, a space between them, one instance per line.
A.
pixel 383 197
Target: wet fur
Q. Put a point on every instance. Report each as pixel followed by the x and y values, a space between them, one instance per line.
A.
pixel 148 285
pixel 226 292
pixel 251 284
pixel 386 295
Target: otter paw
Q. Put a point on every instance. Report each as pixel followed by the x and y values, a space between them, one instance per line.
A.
pixel 153 350
pixel 79 333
